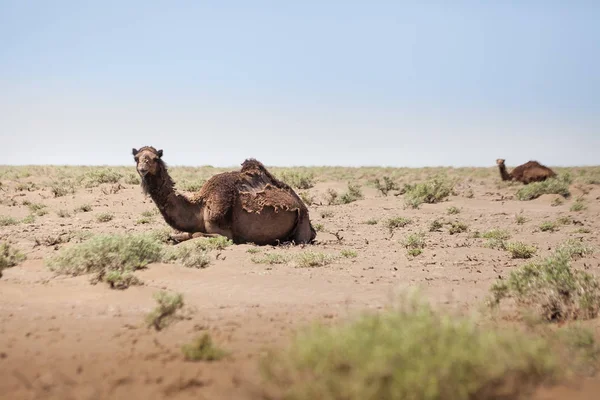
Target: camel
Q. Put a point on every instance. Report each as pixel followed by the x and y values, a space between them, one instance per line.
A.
pixel 246 206
pixel 531 171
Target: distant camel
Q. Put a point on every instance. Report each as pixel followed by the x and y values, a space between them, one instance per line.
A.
pixel 531 171
pixel 246 206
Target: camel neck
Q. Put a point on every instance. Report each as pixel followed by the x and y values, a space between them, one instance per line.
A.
pixel 177 210
pixel 503 173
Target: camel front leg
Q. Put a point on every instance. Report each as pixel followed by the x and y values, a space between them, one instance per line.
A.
pixel 182 237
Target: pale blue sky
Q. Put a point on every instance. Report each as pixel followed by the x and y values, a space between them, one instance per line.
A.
pixel 400 83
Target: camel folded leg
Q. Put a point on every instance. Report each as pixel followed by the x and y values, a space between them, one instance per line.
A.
pixel 182 237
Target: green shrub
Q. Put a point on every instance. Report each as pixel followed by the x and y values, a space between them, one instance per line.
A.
pixel 298 179
pixel 104 254
pixel 104 217
pixel 202 349
pixel 387 185
pixel 520 250
pixel 165 312
pixel 349 253
pixel 552 287
pixel 6 221
pixel 431 191
pixel 353 194
pixel 497 234
pixel 96 177
pixel 579 205
pixel 412 352
pixel 559 185
pixel 9 257
pixel 452 210
pixel 457 227
pixel 311 259
pixel 398 222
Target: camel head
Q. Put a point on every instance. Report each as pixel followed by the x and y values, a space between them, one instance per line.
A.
pixel 500 161
pixel 148 160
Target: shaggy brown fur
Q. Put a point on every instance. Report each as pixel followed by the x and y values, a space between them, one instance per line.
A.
pixel 531 171
pixel 249 205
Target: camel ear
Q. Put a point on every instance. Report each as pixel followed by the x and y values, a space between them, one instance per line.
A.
pixel 160 153
pixel 134 151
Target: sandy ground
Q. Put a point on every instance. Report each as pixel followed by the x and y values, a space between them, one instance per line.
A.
pixel 63 338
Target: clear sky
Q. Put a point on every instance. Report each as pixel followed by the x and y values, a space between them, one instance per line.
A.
pixel 397 83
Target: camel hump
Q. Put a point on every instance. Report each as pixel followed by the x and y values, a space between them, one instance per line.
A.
pixel 253 165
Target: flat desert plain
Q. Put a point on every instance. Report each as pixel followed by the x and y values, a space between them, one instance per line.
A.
pixel 65 336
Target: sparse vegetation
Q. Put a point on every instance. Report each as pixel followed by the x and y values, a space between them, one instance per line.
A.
pixel 520 250
pixel 190 255
pixel 457 227
pixel 411 352
pixel 414 243
pixel 520 219
pixel 557 201
pixel 307 198
pixel 552 287
pixel 371 221
pixel 191 185
pixel 398 222
pixel 6 221
pixel 549 226
pixel 9 257
pixel 559 185
pixel 84 208
pixel 62 188
pixel 311 259
pixel 319 227
pixel 579 205
pixel 353 194
pixel 96 177
pixel 496 234
pixel 165 312
pixel 298 179
pixel 63 213
pixel 271 258
pixel 432 191
pixel 349 253
pixel 104 217
pixel 104 254
pixel 326 214
pixel 452 210
pixel 202 349
pixel 436 225
pixel 30 219
pixel 387 185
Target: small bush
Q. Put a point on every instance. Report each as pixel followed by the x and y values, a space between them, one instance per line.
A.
pixel 319 227
pixel 331 197
pixel 311 259
pixel 520 250
pixel 371 221
pixel 121 280
pixel 411 352
pixel 84 208
pixel 6 221
pixel 132 179
pixel 549 226
pixel 349 253
pixel 190 255
pixel 497 234
pixel 165 312
pixel 62 188
pixel 104 254
pixel 202 349
pixel 9 257
pixel 143 221
pixel 579 205
pixel 559 185
pixel 432 191
pixel 457 227
pixel 104 217
pixel 397 222
pixel 552 287
pixel 557 201
pixel 30 219
pixel 298 179
pixel 520 219
pixel 452 210
pixel 353 194
pixel 63 213
pixel 271 258
pixel 97 177
pixel 436 225
pixel 414 243
pixel 191 186
pixel 307 198
pixel 387 185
